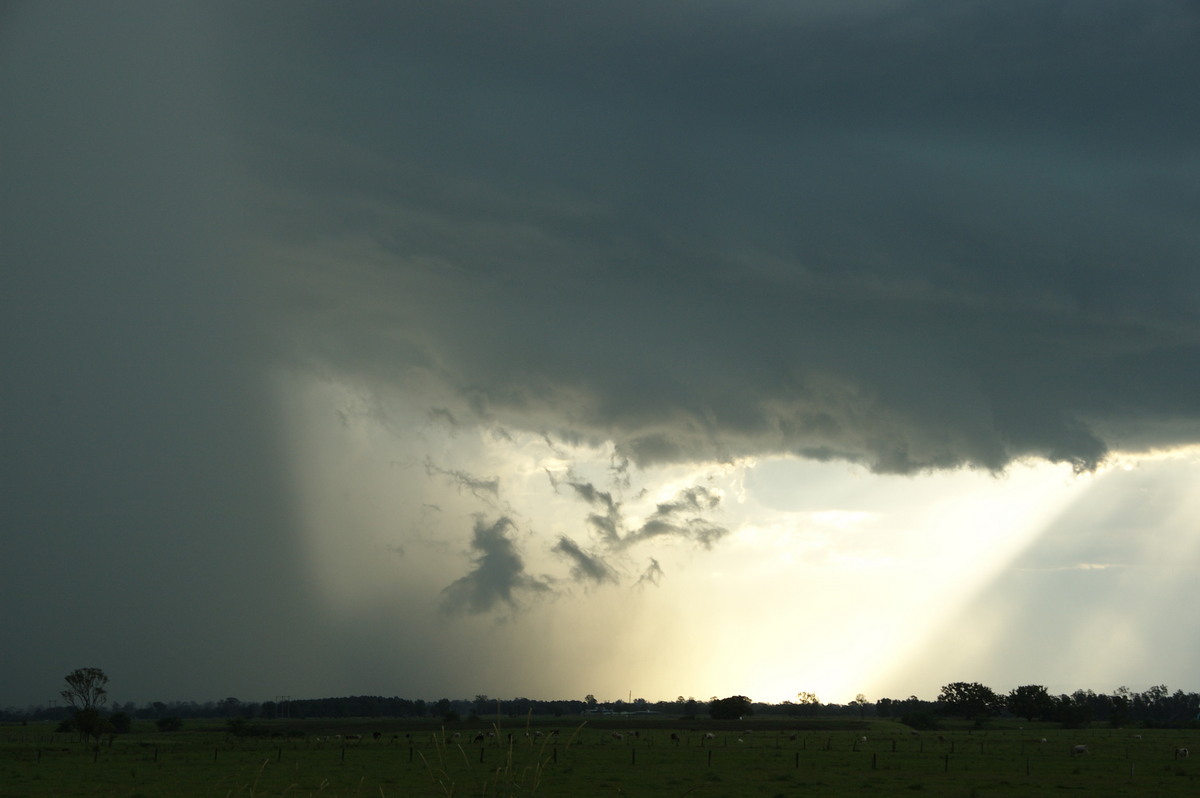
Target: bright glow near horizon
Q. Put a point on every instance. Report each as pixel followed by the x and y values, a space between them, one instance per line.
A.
pixel 830 580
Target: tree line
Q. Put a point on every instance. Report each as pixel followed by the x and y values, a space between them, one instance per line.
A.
pixel 85 698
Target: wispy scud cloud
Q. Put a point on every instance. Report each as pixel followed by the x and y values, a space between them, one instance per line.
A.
pixel 585 567
pixel 683 517
pixel 486 489
pixel 498 578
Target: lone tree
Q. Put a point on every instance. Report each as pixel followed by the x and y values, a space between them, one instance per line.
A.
pixel 85 689
pixel 85 694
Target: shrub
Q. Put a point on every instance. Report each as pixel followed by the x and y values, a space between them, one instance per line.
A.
pixel 924 720
pixel 169 724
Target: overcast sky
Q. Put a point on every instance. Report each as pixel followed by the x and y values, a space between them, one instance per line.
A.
pixel 531 349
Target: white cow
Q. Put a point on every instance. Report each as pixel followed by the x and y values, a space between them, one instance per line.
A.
pixel 1181 753
pixel 1079 750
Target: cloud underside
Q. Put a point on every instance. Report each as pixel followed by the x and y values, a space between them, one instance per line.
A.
pixel 838 233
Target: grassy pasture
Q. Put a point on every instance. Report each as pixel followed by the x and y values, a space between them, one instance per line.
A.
pixel 585 758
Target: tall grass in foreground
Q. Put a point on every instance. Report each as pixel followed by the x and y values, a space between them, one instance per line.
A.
pixel 514 775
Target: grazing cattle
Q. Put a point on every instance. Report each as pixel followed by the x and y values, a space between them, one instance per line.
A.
pixel 1079 750
pixel 675 738
pixel 710 736
pixel 618 736
pixel 1042 740
pixel 479 737
pixel 376 735
pixel 1181 753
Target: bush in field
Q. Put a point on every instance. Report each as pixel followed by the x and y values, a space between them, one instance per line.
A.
pixel 238 727
pixel 923 720
pixel 121 722
pixel 169 724
pixel 90 723
pixel 731 708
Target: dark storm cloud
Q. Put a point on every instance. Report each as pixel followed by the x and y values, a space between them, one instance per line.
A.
pixel 906 234
pixel 498 578
pixel 585 567
pixel 910 234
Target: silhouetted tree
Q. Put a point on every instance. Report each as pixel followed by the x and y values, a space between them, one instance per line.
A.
pixel 969 700
pixel 85 688
pixel 1073 712
pixel 85 694
pixel 1030 701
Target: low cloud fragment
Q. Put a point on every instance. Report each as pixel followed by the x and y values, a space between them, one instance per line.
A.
pixel 444 416
pixel 651 576
pixel 498 577
pixel 479 488
pixel 682 517
pixel 584 567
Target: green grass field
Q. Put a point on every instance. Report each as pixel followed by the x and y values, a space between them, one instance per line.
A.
pixel 746 758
